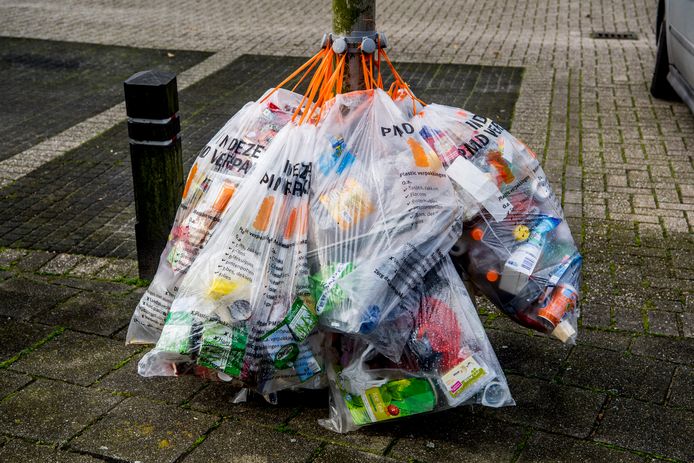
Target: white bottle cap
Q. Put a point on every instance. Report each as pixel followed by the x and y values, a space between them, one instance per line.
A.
pixel 564 331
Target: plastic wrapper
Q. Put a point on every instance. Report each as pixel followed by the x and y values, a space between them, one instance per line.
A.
pixel 447 361
pixel 245 307
pixel 516 247
pixel 219 169
pixel 382 214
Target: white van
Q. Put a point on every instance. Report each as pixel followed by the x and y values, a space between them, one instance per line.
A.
pixel 673 75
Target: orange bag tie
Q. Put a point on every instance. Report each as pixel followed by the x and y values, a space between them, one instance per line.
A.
pixel 400 84
pixel 314 85
pixel 365 72
pixel 327 90
pixel 315 58
pixel 308 71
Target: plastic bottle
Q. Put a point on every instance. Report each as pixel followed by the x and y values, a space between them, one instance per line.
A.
pixel 521 264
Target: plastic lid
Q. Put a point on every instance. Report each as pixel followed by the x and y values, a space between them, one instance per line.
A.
pixel 495 394
pixel 564 331
pixel 477 234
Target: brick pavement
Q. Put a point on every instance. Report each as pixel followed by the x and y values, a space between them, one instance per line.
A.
pixel 622 160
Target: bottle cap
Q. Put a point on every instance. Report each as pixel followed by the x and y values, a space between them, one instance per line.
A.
pixel 477 234
pixel 564 331
pixel 492 276
pixel 521 232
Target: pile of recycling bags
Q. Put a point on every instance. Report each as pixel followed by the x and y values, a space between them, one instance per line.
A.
pixel 321 240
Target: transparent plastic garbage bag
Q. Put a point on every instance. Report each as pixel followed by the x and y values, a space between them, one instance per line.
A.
pixel 516 247
pixel 245 308
pixel 447 361
pixel 219 169
pixel 382 214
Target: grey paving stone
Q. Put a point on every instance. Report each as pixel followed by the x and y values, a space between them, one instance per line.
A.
pixel 236 441
pixel 688 324
pixel 648 427
pixel 89 267
pixel 629 374
pixel 338 454
pixel 610 340
pixel 17 451
pixel 9 256
pixel 34 260
pixel 52 411
pixel 17 335
pixel 138 429
pixel 93 285
pixel 374 439
pixel 61 263
pixel 118 268
pixel 92 312
pixel 217 399
pixel 628 319
pixel 528 355
pixel 551 407
pixel 75 357
pixel 166 389
pixel 10 381
pixel 24 298
pixel 121 334
pixel 502 323
pixel 682 387
pixel 664 323
pixel 596 315
pixel 672 350
pixel 457 435
pixel 543 447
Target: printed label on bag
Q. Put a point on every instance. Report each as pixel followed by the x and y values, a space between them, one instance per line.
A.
pixel 152 309
pixel 463 376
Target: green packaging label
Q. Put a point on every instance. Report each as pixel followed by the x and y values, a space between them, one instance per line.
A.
pixel 176 334
pixel 285 343
pixel 325 288
pixel 301 320
pixel 394 399
pixel 223 347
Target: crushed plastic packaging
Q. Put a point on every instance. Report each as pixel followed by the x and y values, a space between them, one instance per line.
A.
pixel 382 214
pixel 245 308
pixel 516 247
pixel 447 360
pixel 214 178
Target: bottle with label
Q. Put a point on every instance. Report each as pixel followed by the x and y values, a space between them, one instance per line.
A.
pixel 521 264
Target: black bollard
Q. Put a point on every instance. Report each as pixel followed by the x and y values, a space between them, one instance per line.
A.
pixel 151 102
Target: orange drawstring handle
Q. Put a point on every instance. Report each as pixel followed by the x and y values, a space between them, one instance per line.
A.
pixel 400 84
pixel 332 85
pixel 369 80
pixel 308 71
pixel 328 79
pixel 365 72
pixel 308 63
pixel 314 85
